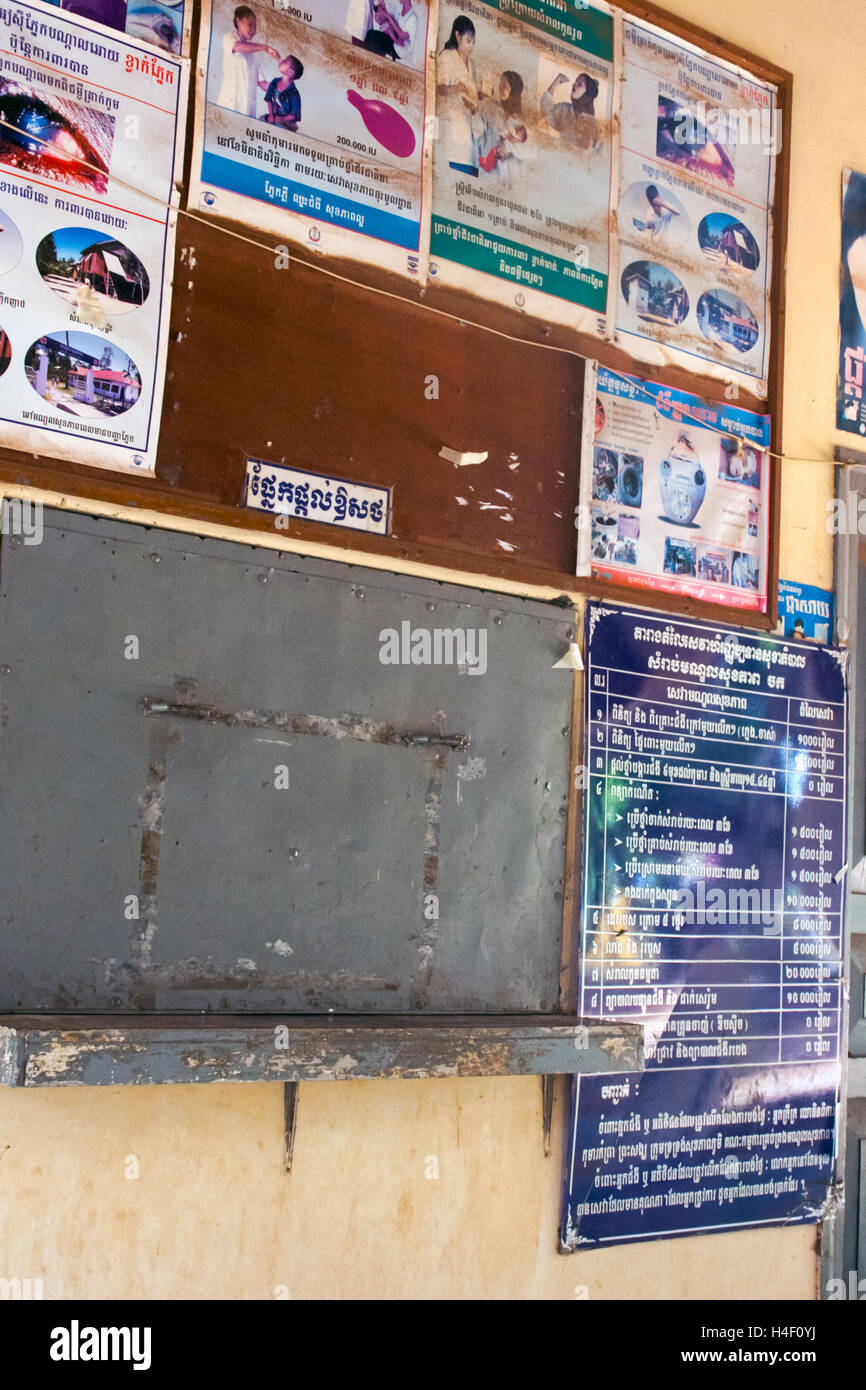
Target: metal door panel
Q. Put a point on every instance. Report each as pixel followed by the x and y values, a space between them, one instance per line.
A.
pixel 154 779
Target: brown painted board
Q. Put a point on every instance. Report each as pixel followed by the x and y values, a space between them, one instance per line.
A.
pixel 292 366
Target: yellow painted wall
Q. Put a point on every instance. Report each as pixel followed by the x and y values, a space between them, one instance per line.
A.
pixel 211 1213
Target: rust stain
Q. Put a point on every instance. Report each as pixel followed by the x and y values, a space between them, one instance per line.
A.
pixel 321 726
pixel 193 973
pixel 428 935
pixel 151 806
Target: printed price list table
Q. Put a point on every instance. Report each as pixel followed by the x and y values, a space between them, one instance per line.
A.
pixel 715 844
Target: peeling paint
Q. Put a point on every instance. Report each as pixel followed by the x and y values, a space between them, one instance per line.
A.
pixel 190 1051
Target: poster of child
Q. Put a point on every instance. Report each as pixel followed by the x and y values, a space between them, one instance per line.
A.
pixel 302 115
pixel 282 97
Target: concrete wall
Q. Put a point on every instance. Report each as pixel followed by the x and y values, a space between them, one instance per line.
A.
pixel 211 1214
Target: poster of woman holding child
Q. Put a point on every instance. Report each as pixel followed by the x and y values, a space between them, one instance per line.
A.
pixel 312 122
pixel 521 161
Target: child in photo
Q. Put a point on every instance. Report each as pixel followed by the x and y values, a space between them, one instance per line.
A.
pixel 242 64
pixel 495 159
pixel 282 96
pixel 504 143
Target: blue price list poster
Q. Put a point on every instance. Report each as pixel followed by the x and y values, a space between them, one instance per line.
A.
pixel 713 890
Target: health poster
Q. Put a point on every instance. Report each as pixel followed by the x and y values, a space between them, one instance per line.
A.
pixel 850 397
pixel 679 490
pixel 310 124
pixel 522 156
pixel 698 145
pixel 91 129
pixel 160 22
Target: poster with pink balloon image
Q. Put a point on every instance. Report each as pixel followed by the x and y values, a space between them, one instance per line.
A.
pixel 310 124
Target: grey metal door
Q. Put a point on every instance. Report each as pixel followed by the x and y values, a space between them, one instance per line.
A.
pixel 215 796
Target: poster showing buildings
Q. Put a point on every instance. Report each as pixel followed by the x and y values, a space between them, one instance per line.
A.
pixel 159 22
pixel 522 156
pixel 850 398
pixel 679 491
pixel 713 896
pixel 310 123
pixel 698 145
pixel 90 144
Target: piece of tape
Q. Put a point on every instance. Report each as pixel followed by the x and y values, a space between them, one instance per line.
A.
pixel 460 460
pixel 571 660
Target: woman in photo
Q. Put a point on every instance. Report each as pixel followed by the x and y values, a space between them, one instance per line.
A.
pixel 573 116
pixel 243 59
pixel 458 99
